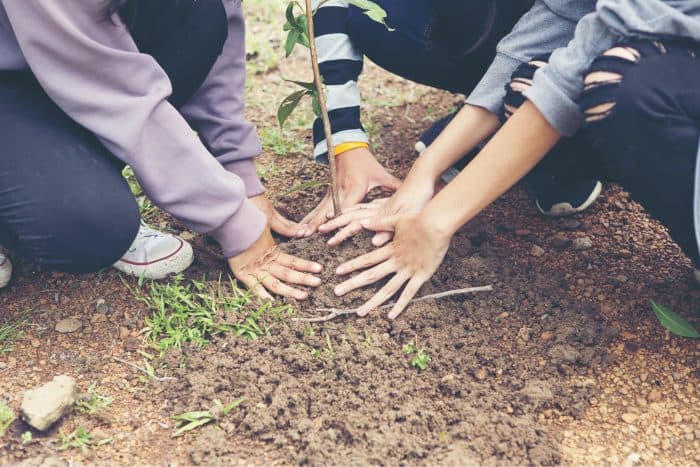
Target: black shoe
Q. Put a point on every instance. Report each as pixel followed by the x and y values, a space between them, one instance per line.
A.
pixel 431 134
pixel 567 198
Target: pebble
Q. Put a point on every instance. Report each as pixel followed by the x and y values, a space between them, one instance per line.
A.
pixel 537 251
pixel 571 224
pixel 480 374
pixel 524 334
pixel 560 242
pixel 43 406
pixel 102 307
pixel 68 325
pixel 654 396
pixel 522 232
pixel 186 235
pixel 629 417
pixel 582 243
pixel 546 336
pixel 98 318
pixel 123 332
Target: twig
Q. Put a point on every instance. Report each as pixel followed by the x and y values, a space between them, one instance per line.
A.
pixel 324 108
pixel 143 370
pixel 335 312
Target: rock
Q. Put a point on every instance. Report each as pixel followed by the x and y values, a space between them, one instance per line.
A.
pixel 124 332
pixel 480 374
pixel 546 336
pixel 98 318
pixel 524 334
pixel 102 307
pixel 522 232
pixel 629 417
pixel 582 243
pixel 654 396
pixel 570 224
pixel 560 242
pixel 537 251
pixel 186 235
pixel 43 406
pixel 68 325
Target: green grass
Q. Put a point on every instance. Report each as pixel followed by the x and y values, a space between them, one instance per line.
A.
pixel 10 331
pixel 421 358
pixel 189 421
pixel 81 439
pixel 93 401
pixel 7 416
pixel 281 142
pixel 268 171
pixel 195 312
pixel 146 208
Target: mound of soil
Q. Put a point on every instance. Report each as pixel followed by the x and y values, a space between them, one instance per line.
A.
pixel 345 389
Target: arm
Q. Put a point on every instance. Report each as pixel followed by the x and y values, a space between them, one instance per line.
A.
pixel 94 72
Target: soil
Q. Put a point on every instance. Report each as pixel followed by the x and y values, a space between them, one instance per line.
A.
pixel 562 363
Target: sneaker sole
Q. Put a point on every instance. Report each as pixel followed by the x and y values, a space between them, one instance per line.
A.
pixel 5 273
pixel 162 268
pixel 566 209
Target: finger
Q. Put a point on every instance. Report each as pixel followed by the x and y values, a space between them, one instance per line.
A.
pixel 381 224
pixel 384 294
pixel 298 264
pixel 370 259
pixel 391 182
pixel 291 276
pixel 367 277
pixel 284 226
pixel 345 233
pixel 406 296
pixel 381 238
pixel 254 285
pixel 346 218
pixel 316 217
pixel 278 287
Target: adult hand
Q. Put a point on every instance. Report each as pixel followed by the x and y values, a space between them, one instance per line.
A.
pixel 263 268
pixel 278 223
pixel 358 173
pixel 413 194
pixel 413 257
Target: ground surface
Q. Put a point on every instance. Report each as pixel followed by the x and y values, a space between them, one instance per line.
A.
pixel 563 362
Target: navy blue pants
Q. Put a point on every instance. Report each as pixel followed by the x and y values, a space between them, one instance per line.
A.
pixel 63 201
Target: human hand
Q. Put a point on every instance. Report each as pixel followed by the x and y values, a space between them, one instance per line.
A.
pixel 413 194
pixel 413 256
pixel 358 173
pixel 278 223
pixel 263 268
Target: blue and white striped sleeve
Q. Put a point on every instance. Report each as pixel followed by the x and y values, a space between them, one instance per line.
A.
pixel 340 64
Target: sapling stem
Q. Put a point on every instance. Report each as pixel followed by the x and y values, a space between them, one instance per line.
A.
pixel 323 107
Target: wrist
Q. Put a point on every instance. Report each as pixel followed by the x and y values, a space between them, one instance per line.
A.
pixel 428 166
pixel 440 225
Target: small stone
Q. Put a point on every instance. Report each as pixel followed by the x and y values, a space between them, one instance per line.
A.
pixel 522 232
pixel 622 278
pixel 124 332
pixel 546 336
pixel 665 445
pixel 98 318
pixel 524 334
pixel 43 406
pixel 654 440
pixel 102 307
pixel 570 224
pixel 186 235
pixel 630 417
pixel 68 325
pixel 560 242
pixel 537 251
pixel 654 396
pixel 582 243
pixel 480 374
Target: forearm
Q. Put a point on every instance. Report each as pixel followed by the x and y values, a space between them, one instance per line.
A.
pixel 520 144
pixel 469 128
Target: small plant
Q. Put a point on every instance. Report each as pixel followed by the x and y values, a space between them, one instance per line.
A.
pixel 195 312
pixel 420 360
pixel 81 439
pixel 7 416
pixel 329 346
pixel 146 208
pixel 268 171
pixel 189 421
pixel 300 30
pixel 10 331
pixel 674 322
pixel 27 437
pixel 93 401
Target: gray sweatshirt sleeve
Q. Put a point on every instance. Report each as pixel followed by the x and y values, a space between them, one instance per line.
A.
pixel 94 72
pixel 217 110
pixel 537 33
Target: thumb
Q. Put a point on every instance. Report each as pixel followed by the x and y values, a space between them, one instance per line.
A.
pixel 381 224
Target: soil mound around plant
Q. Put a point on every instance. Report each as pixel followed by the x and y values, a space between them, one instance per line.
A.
pixel 346 391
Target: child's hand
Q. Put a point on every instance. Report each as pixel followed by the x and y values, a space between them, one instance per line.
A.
pixel 278 223
pixel 413 257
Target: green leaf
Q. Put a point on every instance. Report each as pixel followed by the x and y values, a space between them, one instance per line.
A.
pixel 674 322
pixel 316 105
pixel 292 39
pixel 288 105
pixel 310 86
pixel 372 10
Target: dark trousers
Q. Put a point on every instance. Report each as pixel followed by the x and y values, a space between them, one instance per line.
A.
pixel 644 126
pixel 63 201
pixel 642 129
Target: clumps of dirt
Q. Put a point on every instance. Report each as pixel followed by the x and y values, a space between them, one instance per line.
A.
pixel 504 367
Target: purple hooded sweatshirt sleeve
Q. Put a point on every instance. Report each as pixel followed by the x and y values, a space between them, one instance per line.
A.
pixel 95 73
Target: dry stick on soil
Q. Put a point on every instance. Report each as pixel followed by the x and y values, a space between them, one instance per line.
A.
pixel 324 108
pixel 334 312
pixel 143 370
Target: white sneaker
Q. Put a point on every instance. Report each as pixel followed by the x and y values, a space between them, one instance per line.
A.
pixel 155 255
pixel 5 270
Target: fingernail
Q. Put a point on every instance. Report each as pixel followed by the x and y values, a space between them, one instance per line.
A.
pixel 391 316
pixel 340 270
pixel 361 312
pixel 302 296
pixel 338 291
pixel 318 267
pixel 316 281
